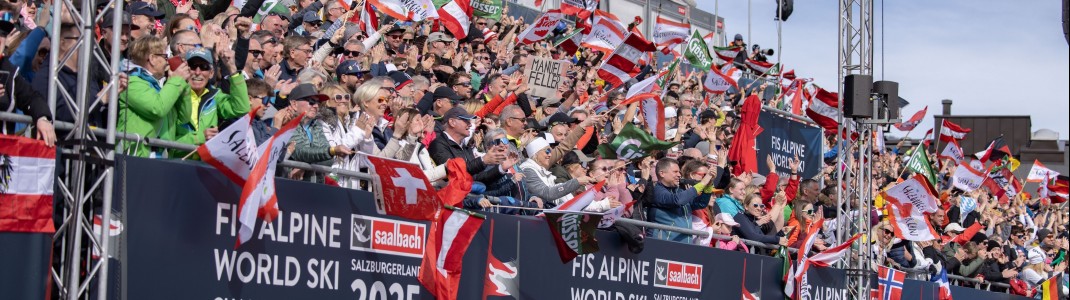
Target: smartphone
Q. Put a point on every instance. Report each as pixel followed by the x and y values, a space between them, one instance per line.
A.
pixel 5 78
pixel 175 62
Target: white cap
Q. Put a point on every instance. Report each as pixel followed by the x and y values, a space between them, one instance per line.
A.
pixel 954 227
pixel 535 145
pixel 670 112
pixel 1035 256
pixel 727 219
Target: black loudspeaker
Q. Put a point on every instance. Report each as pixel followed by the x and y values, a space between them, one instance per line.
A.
pixel 889 90
pixel 784 9
pixel 856 96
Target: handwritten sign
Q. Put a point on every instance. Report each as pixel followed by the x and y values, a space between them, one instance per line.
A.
pixel 544 76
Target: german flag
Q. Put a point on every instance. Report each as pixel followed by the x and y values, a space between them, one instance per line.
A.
pixel 1051 289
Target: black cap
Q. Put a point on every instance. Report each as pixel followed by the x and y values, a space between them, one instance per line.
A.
pixel 145 9
pixel 575 157
pixel 306 91
pixel 458 113
pixel 560 119
pixel 445 92
pixel 127 20
pixel 992 245
pixel 400 79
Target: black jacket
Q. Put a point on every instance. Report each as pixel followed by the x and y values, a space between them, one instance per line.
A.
pixel 20 95
pixel 442 149
pixel 748 229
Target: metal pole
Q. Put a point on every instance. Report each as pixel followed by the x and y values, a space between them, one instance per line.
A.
pixel 85 56
pixel 749 6
pixel 779 46
pixel 717 20
pixel 53 57
pixel 109 177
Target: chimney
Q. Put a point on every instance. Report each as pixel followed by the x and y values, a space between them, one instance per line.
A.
pixel 947 107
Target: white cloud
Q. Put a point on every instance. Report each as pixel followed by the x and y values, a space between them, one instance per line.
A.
pixel 991 57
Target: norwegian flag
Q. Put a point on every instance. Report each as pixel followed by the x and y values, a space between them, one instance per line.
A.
pixel 889 283
pixel 914 120
pixel 718 83
pixel 27 171
pixel 258 199
pixel 607 32
pixel 452 232
pixel 623 63
pixel 668 34
pixel 825 111
pixel 951 131
pixel 943 284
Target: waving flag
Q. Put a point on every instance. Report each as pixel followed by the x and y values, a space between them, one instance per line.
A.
pixel 718 83
pixel 455 15
pixel 890 283
pixel 579 8
pixel 632 143
pixel 798 274
pixel 581 201
pixel 369 20
pixel 501 277
pixel 919 163
pixel 909 222
pixel 573 233
pixel 996 151
pixel 258 199
pixel 914 120
pixel 727 53
pixel 832 255
pixel 623 63
pixel 570 43
pixel 542 27
pixel 763 68
pixel 951 131
pixel 653 116
pixel 232 150
pixel 606 34
pixel 27 171
pixel 825 111
pixel 667 34
pixel 451 234
pixel 406 10
pixel 967 178
pixel 953 151
pixel 402 190
pixel 698 53
pixel 944 286
pixel 1040 173
pixel 915 191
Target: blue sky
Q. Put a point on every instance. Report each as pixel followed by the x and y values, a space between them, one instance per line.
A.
pixel 990 57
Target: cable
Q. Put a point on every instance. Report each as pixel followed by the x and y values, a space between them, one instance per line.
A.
pixel 883 33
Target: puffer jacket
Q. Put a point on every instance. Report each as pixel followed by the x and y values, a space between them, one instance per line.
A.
pixel 672 206
pixel 150 110
pixel 539 182
pixel 215 106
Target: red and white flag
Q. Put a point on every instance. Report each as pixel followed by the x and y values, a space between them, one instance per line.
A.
pixel 953 151
pixel 832 255
pixel 232 150
pixel 967 178
pixel 581 201
pixel 258 199
pixel 951 131
pixel 914 120
pixel 406 10
pixel 718 83
pixel 797 273
pixel 28 169
pixel 451 233
pixel 909 222
pixel 579 8
pixel 402 189
pixel 501 277
pixel 623 63
pixel 916 191
pixel 646 86
pixel 668 34
pixel 708 38
pixel 369 20
pixel 762 67
pixel 1040 173
pixel 653 116
pixel 541 27
pixel 825 110
pixel 606 34
pixel 727 54
pixel 456 16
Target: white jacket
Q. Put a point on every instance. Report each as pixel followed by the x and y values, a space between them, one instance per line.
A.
pixel 347 134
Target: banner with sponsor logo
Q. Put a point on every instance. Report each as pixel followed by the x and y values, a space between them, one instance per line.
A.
pixel 179 230
pixel 784 139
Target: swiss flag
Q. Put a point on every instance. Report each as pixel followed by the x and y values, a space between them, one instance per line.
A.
pixel 402 190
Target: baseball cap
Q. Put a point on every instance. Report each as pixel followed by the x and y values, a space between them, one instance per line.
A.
pixel 127 20
pixel 575 157
pixel 400 79
pixel 349 67
pixel 144 9
pixel 396 29
pixel 310 17
pixel 739 37
pixel 439 37
pixel 551 102
pixel 727 219
pixel 200 53
pixel 954 227
pixel 560 119
pixel 445 92
pixel 1042 233
pixel 458 113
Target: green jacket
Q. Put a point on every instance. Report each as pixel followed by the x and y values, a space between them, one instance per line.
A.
pixel 215 105
pixel 311 146
pixel 149 110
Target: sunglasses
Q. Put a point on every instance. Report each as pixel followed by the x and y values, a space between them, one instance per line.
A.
pixel 809 211
pixel 384 100
pixel 758 205
pixel 465 84
pixel 340 97
pixel 548 151
pixel 202 67
pixel 314 24
pixel 390 89
pixel 256 53
pixel 351 53
pixel 270 41
pixel 394 37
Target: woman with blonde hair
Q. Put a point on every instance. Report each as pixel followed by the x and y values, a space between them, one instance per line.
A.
pixel 150 108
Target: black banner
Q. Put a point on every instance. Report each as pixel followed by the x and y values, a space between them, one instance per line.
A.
pixel 329 243
pixel 784 139
pixel 24 259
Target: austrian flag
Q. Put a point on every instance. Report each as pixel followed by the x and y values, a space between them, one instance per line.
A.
pixel 542 27
pixel 718 83
pixel 452 232
pixel 27 168
pixel 623 63
pixel 608 33
pixel 951 131
pixel 825 110
pixel 667 34
pixel 913 122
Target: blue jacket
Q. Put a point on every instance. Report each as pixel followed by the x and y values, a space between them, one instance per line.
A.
pixel 672 206
pixel 27 51
pixel 729 206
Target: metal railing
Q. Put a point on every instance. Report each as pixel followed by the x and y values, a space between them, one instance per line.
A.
pixel 964 281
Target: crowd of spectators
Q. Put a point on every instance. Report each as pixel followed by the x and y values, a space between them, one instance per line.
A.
pixel 414 92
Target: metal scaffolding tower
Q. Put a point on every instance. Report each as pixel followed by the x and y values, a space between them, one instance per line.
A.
pixel 84 174
pixel 855 194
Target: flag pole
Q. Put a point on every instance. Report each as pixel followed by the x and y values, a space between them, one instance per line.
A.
pixel 779 38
